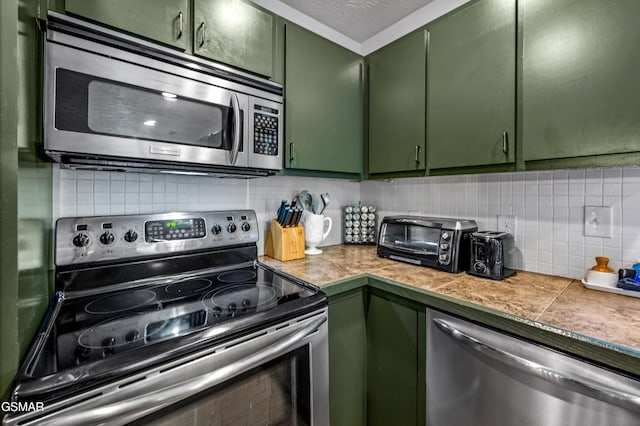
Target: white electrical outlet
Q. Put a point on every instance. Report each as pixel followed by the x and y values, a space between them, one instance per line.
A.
pixel 597 221
pixel 507 223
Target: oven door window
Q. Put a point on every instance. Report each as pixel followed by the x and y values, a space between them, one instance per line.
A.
pixel 275 393
pixel 417 239
pixel 89 104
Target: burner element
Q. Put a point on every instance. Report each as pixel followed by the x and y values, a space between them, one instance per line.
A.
pixel 234 300
pixel 187 287
pixel 115 303
pixel 108 335
pixel 239 276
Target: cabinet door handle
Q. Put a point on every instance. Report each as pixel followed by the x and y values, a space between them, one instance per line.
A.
pixel 505 142
pixel 417 153
pixel 292 151
pixel 180 26
pixel 203 31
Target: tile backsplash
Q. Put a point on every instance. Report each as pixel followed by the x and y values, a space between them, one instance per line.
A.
pixel 548 205
pixel 95 193
pixel 549 210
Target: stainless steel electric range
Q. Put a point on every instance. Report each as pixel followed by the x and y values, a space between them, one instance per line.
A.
pixel 171 319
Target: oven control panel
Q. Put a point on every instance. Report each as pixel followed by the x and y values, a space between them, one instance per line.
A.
pixel 108 238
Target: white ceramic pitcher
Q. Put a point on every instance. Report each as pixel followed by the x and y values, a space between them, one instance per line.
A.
pixel 314 232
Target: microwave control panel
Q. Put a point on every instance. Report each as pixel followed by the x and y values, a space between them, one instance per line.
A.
pixel 265 131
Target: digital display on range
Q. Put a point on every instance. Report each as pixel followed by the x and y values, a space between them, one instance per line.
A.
pixel 174 229
pixel 179 224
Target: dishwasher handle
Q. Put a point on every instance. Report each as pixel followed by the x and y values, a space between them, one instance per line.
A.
pixel 135 408
pixel 579 384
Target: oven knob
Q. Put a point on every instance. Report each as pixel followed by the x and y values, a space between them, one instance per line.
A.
pixel 107 238
pixel 246 226
pixel 130 236
pixel 107 345
pixel 445 235
pixel 245 305
pixel 81 240
pixel 82 354
pixel 216 229
pixel 217 312
pixel 132 336
pixel 444 246
pixel 231 228
pixel 232 309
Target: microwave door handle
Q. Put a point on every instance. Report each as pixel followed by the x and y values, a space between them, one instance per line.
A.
pixel 130 409
pixel 236 128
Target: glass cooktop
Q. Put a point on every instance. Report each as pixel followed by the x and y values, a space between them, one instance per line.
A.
pixel 93 328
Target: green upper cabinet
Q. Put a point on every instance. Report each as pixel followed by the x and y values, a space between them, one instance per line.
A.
pixel 472 86
pixel 397 105
pixel 581 80
pixel 237 33
pixel 166 21
pixel 323 104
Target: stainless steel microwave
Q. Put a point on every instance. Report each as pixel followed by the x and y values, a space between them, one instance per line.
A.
pixel 116 102
pixel 441 243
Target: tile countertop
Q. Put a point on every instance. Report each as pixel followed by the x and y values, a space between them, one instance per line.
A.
pixel 553 305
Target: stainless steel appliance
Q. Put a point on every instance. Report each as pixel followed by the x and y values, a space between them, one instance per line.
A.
pixel 116 102
pixel 492 255
pixel 170 319
pixel 437 242
pixel 478 376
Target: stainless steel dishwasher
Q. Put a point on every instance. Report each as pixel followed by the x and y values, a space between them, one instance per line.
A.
pixel 477 376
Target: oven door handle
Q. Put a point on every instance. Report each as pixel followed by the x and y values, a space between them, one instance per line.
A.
pixel 133 408
pixel 236 128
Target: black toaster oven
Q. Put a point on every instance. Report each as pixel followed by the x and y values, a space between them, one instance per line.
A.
pixel 441 243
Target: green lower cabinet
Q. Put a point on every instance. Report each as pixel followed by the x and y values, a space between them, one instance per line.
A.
pixel 392 362
pixel 166 21
pixel 323 104
pixel 237 33
pixel 471 86
pixel 376 359
pixel 347 359
pixel 580 78
pixel 397 93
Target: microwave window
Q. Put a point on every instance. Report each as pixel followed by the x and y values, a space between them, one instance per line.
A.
pixel 89 104
pixel 415 238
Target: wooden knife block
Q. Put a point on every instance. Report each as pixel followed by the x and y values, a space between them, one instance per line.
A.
pixel 285 243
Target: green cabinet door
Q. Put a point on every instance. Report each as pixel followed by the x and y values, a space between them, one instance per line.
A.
pixel 471 86
pixel 348 359
pixel 237 33
pixel 166 21
pixel 581 82
pixel 397 105
pixel 392 362
pixel 323 104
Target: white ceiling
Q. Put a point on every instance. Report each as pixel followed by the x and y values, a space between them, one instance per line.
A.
pixel 361 25
pixel 357 19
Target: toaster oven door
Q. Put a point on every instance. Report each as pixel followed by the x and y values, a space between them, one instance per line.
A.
pixel 411 238
pixel 100 106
